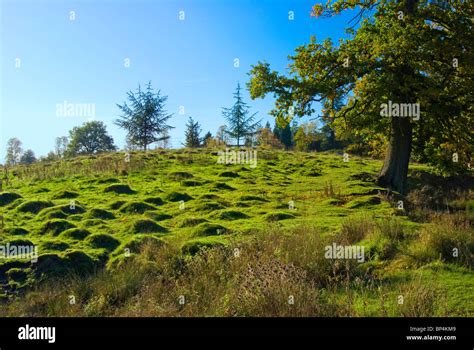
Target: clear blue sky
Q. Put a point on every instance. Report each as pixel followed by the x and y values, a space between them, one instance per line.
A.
pixel 191 60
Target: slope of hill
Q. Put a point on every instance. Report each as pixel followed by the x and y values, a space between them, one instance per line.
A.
pixel 92 218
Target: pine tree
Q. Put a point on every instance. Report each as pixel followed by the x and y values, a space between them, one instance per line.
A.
pixel 193 129
pixel 241 126
pixel 145 119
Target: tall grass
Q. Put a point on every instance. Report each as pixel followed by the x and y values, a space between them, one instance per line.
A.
pixel 274 273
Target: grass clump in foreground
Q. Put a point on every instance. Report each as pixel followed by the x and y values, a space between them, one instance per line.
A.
pixel 274 273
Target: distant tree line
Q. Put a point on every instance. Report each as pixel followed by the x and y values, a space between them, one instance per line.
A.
pixel 145 119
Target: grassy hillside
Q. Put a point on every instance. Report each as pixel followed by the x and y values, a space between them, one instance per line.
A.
pixel 176 233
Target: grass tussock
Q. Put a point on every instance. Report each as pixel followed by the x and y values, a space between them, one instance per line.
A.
pixel 449 238
pixel 272 274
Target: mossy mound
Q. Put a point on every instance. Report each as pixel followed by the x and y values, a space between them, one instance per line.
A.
pixel 54 245
pixel 221 186
pixel 101 240
pixel 252 198
pixel 194 247
pixel 8 197
pixel 210 196
pixel 243 204
pixel 65 195
pixel 192 183
pixel 91 222
pixel 20 243
pixel 231 174
pixel 56 226
pixel 363 202
pixel 76 234
pixel 17 231
pixel 109 180
pixel 147 226
pixel 61 211
pixel 278 216
pixel 34 207
pixel 119 189
pixel 209 229
pixel 231 215
pixel 363 176
pixel 311 171
pixel 12 264
pixel 154 200
pixel 136 208
pixel 116 205
pixel 52 213
pixel 157 216
pixel 334 201
pixel 96 213
pixel 191 222
pixel 17 275
pixel 135 244
pixel 72 209
pixel 50 265
pixel 79 262
pixel 180 175
pixel 210 206
pixel 177 196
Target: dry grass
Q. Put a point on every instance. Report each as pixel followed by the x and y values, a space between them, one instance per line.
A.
pixel 273 273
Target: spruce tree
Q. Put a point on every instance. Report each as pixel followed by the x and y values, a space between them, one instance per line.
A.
pixel 145 119
pixel 241 125
pixel 193 129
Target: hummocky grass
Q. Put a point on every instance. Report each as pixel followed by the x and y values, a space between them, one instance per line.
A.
pixel 105 230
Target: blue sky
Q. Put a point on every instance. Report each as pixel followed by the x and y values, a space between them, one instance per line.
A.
pixel 82 61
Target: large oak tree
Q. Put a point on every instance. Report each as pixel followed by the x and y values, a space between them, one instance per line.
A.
pixel 405 52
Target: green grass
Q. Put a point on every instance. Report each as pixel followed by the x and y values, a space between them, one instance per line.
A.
pixel 186 200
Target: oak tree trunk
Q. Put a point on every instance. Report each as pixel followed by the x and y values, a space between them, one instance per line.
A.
pixel 395 168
